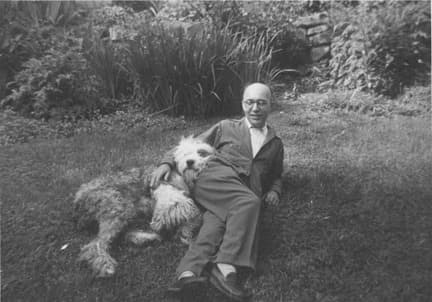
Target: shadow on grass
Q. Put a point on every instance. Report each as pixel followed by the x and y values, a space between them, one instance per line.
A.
pixel 345 233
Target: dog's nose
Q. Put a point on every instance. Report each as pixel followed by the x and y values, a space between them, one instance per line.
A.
pixel 190 163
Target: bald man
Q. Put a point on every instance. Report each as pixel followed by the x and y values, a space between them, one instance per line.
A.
pixel 247 169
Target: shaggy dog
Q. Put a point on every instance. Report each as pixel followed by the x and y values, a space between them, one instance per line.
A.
pixel 114 201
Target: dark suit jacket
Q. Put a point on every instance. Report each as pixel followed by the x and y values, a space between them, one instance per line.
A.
pixel 231 139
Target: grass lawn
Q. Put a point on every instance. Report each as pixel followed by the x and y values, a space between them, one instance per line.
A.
pixel 354 225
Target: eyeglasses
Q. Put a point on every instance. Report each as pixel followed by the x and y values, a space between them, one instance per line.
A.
pixel 259 103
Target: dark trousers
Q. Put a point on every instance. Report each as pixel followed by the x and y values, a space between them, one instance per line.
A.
pixel 230 223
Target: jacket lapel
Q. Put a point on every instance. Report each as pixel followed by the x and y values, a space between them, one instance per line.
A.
pixel 245 136
pixel 270 134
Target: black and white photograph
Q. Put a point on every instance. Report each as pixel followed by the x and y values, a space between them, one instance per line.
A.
pixel 215 151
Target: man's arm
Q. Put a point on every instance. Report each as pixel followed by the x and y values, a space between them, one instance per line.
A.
pixel 273 195
pixel 168 158
pixel 278 169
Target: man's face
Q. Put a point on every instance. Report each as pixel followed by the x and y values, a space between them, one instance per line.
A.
pixel 256 104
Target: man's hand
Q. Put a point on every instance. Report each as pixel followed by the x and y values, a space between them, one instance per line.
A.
pixel 272 198
pixel 162 172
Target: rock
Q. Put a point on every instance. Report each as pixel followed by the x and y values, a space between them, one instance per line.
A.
pixel 312 20
pixel 320 39
pixel 326 85
pixel 115 33
pixel 302 32
pixel 339 28
pixel 319 53
pixel 317 29
pixel 190 28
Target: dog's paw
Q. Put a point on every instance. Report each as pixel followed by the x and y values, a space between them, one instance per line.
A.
pixel 96 255
pixel 187 234
pixel 105 268
pixel 156 224
pixel 139 237
pixel 186 240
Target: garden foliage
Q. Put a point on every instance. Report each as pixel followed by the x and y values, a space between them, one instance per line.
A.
pixel 382 46
pixel 43 73
pixel 51 86
pixel 252 18
pixel 59 61
pixel 197 74
pixel 108 64
pixel 29 29
pixel 150 61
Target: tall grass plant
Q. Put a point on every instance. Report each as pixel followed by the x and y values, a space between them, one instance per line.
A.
pixel 197 74
pixel 107 63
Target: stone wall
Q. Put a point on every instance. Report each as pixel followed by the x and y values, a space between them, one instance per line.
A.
pixel 318 30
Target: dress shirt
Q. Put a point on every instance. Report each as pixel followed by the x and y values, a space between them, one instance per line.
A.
pixel 258 136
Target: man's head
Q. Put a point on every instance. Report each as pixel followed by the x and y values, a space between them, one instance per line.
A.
pixel 256 104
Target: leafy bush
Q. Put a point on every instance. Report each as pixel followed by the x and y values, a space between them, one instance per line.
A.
pixel 53 86
pixel 118 23
pixel 197 74
pixel 45 12
pixel 17 44
pixel 64 73
pixel 381 46
pixel 30 28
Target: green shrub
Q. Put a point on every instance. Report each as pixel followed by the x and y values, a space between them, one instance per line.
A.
pixel 18 42
pixel 30 29
pixel 381 46
pixel 53 86
pixel 197 74
pixel 37 13
pixel 118 23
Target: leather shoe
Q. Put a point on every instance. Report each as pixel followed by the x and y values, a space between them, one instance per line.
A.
pixel 186 283
pixel 229 285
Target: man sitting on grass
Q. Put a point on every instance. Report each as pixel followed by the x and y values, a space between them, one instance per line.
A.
pixel 247 168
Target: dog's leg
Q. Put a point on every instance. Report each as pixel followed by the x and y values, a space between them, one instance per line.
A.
pixel 96 252
pixel 186 234
pixel 189 229
pixel 172 208
pixel 140 237
pixel 81 214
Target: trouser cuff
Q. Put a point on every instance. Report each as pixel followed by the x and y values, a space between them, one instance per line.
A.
pixel 236 261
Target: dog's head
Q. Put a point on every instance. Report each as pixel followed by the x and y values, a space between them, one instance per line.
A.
pixel 191 155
